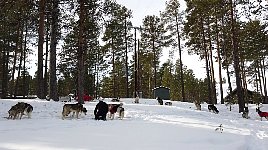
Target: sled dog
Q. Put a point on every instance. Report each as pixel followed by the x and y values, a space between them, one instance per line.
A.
pixel 245 113
pixel 262 114
pixel 19 110
pixel 213 108
pixel 74 108
pixel 116 108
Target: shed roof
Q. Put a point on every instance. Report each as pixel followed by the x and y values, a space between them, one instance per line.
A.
pixel 161 87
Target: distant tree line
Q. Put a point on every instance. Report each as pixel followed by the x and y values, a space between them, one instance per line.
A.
pixel 92 46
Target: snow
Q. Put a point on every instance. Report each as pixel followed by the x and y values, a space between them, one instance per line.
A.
pixel 146 126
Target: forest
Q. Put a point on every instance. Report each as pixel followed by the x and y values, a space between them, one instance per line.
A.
pixel 92 46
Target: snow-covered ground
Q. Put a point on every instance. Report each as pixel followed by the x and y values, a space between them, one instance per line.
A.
pixel 146 126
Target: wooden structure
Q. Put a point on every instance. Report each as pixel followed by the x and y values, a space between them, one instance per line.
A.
pixel 162 92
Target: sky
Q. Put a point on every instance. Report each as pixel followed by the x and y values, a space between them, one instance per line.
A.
pixel 146 126
pixel 142 8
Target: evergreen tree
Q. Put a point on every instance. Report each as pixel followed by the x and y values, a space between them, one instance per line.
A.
pixel 172 17
pixel 117 30
pixel 152 40
pixel 53 91
pixel 40 77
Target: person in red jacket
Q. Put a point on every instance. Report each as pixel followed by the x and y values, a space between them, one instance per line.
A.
pixel 87 97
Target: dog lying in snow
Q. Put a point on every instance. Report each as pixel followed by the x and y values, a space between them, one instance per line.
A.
pixel 168 103
pixel 262 114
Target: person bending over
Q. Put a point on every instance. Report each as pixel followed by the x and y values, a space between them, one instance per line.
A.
pixel 101 110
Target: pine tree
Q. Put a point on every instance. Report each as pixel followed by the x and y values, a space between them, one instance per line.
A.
pixel 53 91
pixel 40 78
pixel 172 17
pixel 152 41
pixel 117 31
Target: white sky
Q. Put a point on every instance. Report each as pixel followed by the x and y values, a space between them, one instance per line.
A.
pixel 146 126
pixel 142 8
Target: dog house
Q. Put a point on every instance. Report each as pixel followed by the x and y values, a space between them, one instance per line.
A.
pixel 162 92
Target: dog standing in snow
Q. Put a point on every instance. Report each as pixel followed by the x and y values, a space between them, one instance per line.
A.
pixel 136 100
pixel 245 113
pixel 159 100
pixel 213 108
pixel 20 109
pixel 116 108
pixel 262 114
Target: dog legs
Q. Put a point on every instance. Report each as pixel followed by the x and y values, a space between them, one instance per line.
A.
pixel 121 115
pixel 111 116
pixel 64 114
pixel 21 115
pixel 77 113
pixel 30 115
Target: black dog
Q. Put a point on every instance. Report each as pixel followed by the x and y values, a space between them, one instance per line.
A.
pixel 160 101
pixel 101 111
pixel 213 108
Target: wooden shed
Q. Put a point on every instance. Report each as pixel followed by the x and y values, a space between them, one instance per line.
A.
pixel 162 92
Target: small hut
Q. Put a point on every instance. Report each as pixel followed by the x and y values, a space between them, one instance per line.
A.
pixel 162 92
pixel 249 96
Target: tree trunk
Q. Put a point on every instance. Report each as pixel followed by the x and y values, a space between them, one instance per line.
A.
pixel 46 55
pixel 226 58
pixel 264 80
pixel 113 62
pixel 20 66
pixel 13 83
pixel 259 75
pixel 207 67
pixel 210 56
pixel 135 63
pixel 25 87
pixel 126 61
pixel 154 61
pixel 241 101
pixel 138 68
pixel 81 49
pixel 219 61
pixel 5 69
pixel 181 65
pixel 244 81
pixel 256 79
pixel 40 79
pixel 53 90
pixel 213 82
